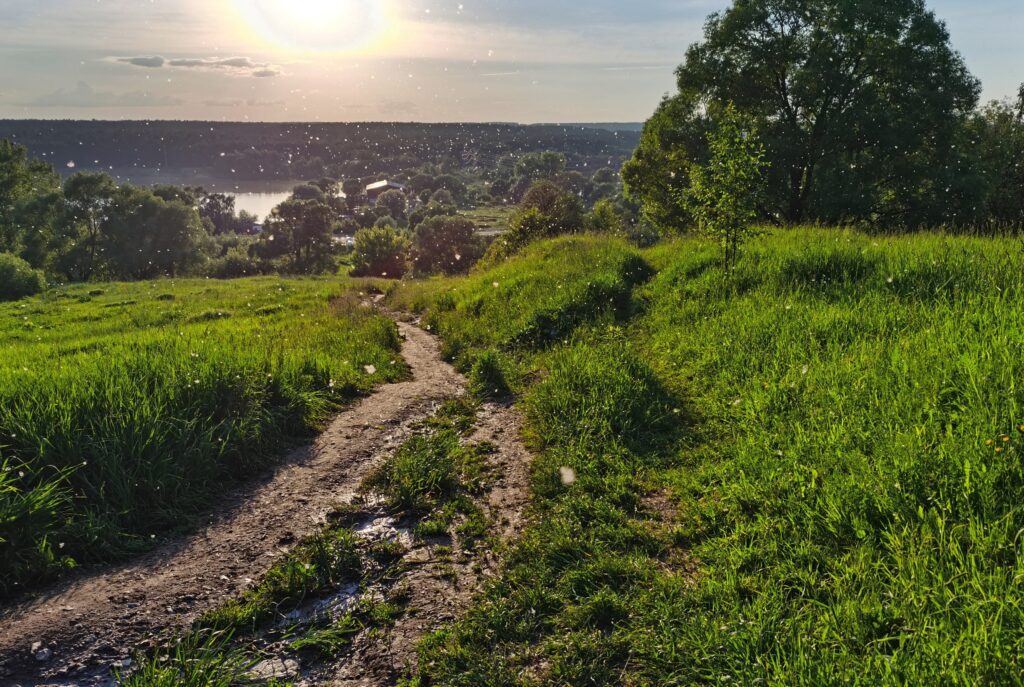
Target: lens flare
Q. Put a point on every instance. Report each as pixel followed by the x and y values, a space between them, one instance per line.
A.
pixel 315 25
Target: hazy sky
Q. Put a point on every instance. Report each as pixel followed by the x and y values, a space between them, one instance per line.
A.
pixel 424 60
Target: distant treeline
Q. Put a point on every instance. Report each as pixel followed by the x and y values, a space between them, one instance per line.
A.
pixel 260 151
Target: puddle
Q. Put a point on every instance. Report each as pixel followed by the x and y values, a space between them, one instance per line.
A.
pixel 384 529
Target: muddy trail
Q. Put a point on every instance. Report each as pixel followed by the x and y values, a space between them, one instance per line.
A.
pixel 81 632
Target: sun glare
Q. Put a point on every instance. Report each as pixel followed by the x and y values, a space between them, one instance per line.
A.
pixel 315 25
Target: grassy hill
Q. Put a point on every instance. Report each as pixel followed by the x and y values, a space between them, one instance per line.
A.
pixel 125 407
pixel 813 478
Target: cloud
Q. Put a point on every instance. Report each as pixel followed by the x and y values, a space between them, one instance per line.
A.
pixel 149 62
pixel 235 66
pixel 83 95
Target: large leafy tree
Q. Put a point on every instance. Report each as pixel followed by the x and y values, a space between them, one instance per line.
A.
pixel 1000 131
pixel 21 180
pixel 145 236
pixel 861 104
pixel 88 197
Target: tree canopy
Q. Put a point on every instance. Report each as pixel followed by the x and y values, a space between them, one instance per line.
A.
pixel 861 105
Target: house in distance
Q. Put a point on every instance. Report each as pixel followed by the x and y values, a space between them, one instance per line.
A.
pixel 374 190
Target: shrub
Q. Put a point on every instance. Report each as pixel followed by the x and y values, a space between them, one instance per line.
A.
pixel 236 263
pixel 380 252
pixel 18 279
pixel 545 211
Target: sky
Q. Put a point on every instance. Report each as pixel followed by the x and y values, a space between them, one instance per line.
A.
pixel 394 60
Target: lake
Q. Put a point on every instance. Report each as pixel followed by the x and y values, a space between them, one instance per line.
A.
pixel 259 204
pixel 257 197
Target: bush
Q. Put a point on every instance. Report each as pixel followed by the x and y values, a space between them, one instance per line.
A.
pixel 18 279
pixel 546 211
pixel 236 263
pixel 380 252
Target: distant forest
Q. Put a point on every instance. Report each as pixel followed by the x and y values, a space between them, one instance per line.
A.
pixel 268 151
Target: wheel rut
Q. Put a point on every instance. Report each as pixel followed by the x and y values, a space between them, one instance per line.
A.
pixel 77 633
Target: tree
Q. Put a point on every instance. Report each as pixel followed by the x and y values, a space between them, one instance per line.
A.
pixel 453 185
pixel 605 175
pixel 38 218
pixel 144 236
pixel 605 218
pixel 562 211
pixel 380 252
pixel 442 197
pixel 856 102
pixel 353 190
pixel 574 183
pixel 395 202
pixel 219 208
pixel 1000 130
pixel 87 198
pixel 308 192
pixel 422 182
pixel 301 229
pixel 314 233
pixel 20 180
pixel 724 192
pixel 245 222
pixel 347 227
pixel 327 185
pixel 542 165
pixel 444 244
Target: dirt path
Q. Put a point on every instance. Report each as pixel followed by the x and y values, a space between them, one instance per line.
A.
pixel 81 630
pixel 440 586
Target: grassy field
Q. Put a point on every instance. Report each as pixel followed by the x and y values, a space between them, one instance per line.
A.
pixel 125 407
pixel 491 219
pixel 814 477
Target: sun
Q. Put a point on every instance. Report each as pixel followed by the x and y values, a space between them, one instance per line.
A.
pixel 315 25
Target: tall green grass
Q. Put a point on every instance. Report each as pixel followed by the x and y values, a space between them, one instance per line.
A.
pixel 856 494
pixel 124 408
pixel 814 476
pixel 568 283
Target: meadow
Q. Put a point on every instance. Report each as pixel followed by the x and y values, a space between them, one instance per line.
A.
pixel 812 475
pixel 125 409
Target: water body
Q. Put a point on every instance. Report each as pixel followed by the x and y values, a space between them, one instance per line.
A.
pixel 256 197
pixel 259 204
pixel 253 196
